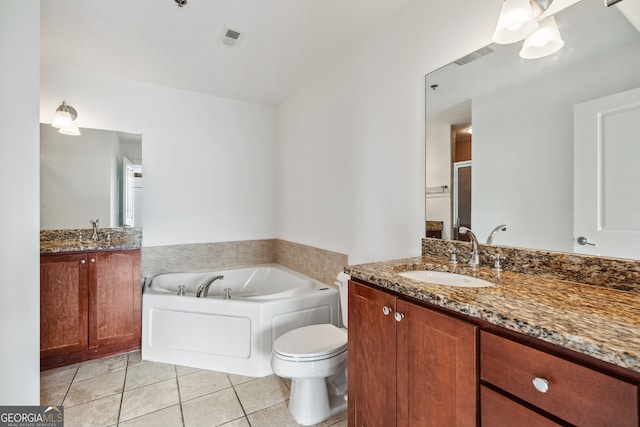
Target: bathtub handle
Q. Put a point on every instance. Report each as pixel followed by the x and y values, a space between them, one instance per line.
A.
pixel 387 310
pixel 181 290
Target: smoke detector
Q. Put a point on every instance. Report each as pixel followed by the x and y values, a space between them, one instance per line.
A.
pixel 230 37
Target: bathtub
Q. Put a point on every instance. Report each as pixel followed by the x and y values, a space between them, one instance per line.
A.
pixel 230 335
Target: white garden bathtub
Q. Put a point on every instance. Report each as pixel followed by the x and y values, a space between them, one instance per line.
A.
pixel 233 335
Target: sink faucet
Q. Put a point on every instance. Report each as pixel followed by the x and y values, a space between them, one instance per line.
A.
pixel 502 227
pixel 203 289
pixel 474 261
pixel 96 224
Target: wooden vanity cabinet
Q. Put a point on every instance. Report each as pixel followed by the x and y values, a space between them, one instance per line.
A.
pixel 89 305
pixel 409 365
pixel 568 391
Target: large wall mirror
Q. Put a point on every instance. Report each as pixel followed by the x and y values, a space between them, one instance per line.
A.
pixel 97 174
pixel 530 139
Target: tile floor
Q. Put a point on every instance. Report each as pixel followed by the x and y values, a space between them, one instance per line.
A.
pixel 124 390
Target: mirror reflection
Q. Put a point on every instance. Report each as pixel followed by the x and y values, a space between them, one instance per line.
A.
pixel 525 123
pixel 97 174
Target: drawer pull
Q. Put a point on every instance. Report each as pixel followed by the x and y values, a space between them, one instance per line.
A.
pixel 541 384
pixel 386 310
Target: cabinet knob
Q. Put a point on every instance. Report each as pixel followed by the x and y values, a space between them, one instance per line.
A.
pixel 398 316
pixel 82 261
pixel 541 384
pixel 92 260
pixel 387 310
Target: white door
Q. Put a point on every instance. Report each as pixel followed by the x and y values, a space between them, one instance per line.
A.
pixel 606 179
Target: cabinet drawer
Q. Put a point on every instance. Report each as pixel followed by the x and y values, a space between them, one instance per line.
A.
pixel 576 394
pixel 499 411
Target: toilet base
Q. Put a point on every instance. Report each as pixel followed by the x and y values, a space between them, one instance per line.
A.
pixel 310 402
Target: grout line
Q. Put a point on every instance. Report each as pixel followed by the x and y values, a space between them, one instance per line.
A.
pixel 124 383
pixel 179 395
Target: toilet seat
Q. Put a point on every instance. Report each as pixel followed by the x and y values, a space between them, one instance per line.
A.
pixel 310 343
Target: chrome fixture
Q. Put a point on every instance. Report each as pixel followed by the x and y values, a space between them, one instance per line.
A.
pixel 583 241
pixel 96 224
pixel 181 291
pixel 181 3
pixel 474 260
pixel 502 227
pixel 527 20
pixel 227 293
pixel 453 260
pixel 64 120
pixel 203 289
pixel 497 258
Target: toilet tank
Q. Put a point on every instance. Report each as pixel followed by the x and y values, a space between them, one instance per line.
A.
pixel 343 286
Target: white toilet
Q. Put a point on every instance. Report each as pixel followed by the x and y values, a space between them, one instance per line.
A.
pixel 315 358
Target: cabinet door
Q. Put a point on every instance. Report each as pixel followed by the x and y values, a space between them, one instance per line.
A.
pixel 63 304
pixel 372 358
pixel 437 368
pixel 114 298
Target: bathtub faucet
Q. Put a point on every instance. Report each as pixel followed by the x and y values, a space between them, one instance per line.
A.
pixel 203 289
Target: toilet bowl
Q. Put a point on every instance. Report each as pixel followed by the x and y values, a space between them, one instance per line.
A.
pixel 315 359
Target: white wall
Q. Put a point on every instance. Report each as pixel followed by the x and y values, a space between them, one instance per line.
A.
pixel 208 161
pixel 19 224
pixel 351 142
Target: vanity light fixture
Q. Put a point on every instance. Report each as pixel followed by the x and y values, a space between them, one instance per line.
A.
pixel 64 120
pixel 524 20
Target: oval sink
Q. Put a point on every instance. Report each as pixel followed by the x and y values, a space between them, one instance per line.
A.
pixel 447 279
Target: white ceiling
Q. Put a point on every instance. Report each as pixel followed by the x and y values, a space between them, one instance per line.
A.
pixel 286 42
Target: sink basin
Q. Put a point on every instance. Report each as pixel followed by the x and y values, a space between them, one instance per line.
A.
pixel 447 279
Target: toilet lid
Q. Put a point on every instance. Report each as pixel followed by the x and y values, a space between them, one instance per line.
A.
pixel 308 342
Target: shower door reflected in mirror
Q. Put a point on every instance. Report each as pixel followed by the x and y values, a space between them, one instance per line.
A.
pixel 461 198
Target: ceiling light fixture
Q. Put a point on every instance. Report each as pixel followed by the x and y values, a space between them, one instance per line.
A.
pixel 524 20
pixel 181 3
pixel 64 120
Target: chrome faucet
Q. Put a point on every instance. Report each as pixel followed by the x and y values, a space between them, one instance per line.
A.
pixel 474 261
pixel 96 224
pixel 203 289
pixel 502 227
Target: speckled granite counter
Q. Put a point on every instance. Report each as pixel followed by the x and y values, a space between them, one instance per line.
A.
pixel 598 321
pixel 69 240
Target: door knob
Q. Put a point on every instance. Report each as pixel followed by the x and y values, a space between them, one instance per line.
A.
pixel 386 310
pixel 399 316
pixel 584 241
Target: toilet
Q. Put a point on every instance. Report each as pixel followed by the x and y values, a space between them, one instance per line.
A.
pixel 315 358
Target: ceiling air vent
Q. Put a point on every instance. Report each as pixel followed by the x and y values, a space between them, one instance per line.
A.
pixel 230 38
pixel 483 51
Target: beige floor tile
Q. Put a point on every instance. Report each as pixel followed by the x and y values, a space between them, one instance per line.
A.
pixel 337 420
pixel 277 415
pixel 147 399
pixel 212 410
pixel 200 383
pixel 239 379
pixel 102 366
pixel 148 373
pixel 94 388
pixel 57 376
pixel 135 359
pixel 240 422
pixel 99 412
pixel 186 370
pixel 167 417
pixel 53 396
pixel 262 393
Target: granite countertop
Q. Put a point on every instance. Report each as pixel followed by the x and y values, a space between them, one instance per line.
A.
pixel 65 241
pixel 594 320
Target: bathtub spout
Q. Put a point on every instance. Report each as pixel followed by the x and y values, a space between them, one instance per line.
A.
pixel 203 289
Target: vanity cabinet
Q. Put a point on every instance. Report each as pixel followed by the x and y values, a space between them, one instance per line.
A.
pixel 89 305
pixel 573 393
pixel 409 365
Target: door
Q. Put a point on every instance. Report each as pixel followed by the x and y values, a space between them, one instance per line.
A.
pixel 461 210
pixel 437 368
pixel 606 191
pixel 372 357
pixel 114 303
pixel 63 304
